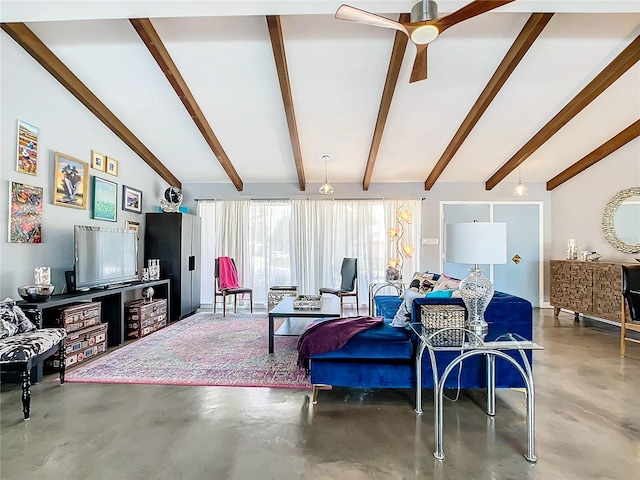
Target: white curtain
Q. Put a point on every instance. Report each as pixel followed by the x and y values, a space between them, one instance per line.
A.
pixel 225 232
pixel 303 242
pixel 269 247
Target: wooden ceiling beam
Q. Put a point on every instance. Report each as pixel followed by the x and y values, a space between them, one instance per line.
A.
pixel 623 62
pixel 395 62
pixel 519 48
pixel 159 52
pixel 280 57
pixel 45 57
pixel 610 146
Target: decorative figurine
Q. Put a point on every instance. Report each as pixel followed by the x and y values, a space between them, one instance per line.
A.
pixel 392 274
pixel 171 200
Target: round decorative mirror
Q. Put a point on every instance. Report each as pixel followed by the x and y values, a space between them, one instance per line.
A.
pixel 621 220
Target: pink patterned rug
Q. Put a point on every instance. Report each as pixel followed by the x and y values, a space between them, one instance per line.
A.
pixel 203 349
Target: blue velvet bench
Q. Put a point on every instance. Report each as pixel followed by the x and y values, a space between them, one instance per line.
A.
pixel 383 357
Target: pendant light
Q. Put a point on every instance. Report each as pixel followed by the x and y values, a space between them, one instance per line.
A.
pixel 326 188
pixel 520 190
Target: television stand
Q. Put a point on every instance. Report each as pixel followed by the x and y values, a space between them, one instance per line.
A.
pixel 116 285
pixel 112 309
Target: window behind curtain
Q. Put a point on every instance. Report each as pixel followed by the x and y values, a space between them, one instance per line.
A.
pixel 301 242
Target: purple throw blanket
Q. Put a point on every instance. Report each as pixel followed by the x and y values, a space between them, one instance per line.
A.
pixel 332 334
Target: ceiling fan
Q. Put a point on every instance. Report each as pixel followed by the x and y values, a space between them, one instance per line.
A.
pixel 424 27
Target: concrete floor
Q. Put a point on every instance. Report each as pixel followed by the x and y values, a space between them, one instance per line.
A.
pixel 587 426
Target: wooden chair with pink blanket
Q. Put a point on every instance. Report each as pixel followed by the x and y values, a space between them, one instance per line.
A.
pixel 226 276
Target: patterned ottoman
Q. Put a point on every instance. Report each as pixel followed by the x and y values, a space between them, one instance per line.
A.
pixel 277 293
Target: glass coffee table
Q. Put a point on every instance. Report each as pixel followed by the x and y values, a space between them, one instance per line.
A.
pixel 330 309
pixel 473 345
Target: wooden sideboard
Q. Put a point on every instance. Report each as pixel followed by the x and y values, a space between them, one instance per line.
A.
pixel 590 288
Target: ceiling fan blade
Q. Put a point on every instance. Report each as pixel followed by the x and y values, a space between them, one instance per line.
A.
pixel 419 70
pixel 352 14
pixel 470 10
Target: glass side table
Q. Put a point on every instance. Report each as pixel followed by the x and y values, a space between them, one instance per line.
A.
pixel 473 345
pixel 375 287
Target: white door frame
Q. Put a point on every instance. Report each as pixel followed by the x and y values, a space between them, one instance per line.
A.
pixel 491 204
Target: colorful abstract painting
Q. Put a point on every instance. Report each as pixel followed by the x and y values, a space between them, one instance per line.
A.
pixel 27 148
pixel 25 217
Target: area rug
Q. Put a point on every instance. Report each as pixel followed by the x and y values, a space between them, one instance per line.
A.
pixel 204 349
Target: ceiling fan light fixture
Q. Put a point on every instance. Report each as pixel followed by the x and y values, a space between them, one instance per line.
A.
pixel 425 34
pixel 424 10
pixel 326 188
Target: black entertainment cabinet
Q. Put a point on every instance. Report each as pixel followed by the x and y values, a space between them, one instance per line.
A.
pixel 111 300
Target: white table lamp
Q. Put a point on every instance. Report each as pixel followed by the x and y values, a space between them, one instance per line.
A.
pixel 476 243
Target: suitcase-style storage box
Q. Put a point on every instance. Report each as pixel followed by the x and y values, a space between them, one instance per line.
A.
pixel 82 344
pixel 144 318
pixel 79 316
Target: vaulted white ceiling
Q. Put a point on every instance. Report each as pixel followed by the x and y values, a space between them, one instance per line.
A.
pixel 337 75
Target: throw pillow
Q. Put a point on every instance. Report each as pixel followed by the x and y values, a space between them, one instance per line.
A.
pixel 12 314
pixel 425 282
pixel 403 315
pixel 446 283
pixel 7 329
pixel 440 294
pixel 8 324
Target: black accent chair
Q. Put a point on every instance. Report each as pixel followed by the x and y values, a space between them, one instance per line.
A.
pixel 349 284
pixel 630 297
pixel 229 291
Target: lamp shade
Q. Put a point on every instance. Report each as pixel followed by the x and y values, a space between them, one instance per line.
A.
pixel 476 243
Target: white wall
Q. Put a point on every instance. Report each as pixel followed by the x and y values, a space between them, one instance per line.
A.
pixel 577 205
pixel 31 94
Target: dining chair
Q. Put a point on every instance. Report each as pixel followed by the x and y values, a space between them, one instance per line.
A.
pixel 348 284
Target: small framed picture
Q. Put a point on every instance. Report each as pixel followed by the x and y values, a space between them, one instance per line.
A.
pixel 70 182
pixel 135 226
pixel 98 160
pixel 104 199
pixel 27 148
pixel 131 199
pixel 112 166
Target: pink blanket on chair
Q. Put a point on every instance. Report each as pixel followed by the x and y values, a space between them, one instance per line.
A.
pixel 228 274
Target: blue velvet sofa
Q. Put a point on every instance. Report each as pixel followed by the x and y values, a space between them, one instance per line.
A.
pixel 384 356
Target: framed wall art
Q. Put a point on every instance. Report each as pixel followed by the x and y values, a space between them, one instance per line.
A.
pixel 70 181
pixel 112 166
pixel 98 161
pixel 131 199
pixel 104 199
pixel 135 226
pixel 27 148
pixel 25 215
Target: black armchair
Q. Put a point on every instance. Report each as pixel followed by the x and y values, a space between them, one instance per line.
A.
pixel 630 297
pixel 349 284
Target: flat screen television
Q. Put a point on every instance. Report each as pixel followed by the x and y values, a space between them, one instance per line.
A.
pixel 104 256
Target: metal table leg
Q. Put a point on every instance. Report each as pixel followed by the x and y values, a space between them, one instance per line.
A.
pixel 526 376
pixel 270 333
pixel 491 384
